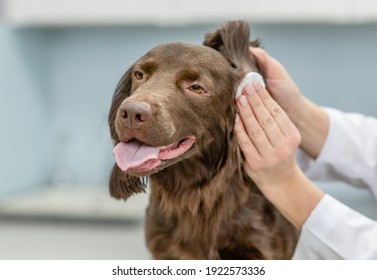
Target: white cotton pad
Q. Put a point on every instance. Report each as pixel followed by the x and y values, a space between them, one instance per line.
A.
pixel 248 79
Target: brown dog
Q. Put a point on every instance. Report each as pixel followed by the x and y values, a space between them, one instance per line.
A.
pixel 171 118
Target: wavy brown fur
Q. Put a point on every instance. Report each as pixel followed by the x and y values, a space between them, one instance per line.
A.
pixel 202 205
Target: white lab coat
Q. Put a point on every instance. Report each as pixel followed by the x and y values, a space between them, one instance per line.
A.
pixel 333 230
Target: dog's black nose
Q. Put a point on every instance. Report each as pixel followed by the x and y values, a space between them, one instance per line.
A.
pixel 134 114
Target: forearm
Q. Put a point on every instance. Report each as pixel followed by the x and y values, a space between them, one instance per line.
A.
pixel 295 199
pixel 357 135
pixel 335 231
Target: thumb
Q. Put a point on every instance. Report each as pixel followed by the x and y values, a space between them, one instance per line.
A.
pixel 270 67
pixel 261 56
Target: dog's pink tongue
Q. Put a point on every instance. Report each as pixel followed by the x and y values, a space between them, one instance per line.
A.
pixel 135 155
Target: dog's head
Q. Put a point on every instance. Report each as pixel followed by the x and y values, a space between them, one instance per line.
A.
pixel 176 102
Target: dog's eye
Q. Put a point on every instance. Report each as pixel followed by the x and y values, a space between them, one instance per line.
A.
pixel 138 75
pixel 197 89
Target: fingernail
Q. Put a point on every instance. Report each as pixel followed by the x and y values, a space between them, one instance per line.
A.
pixel 243 101
pixel 257 86
pixel 249 89
pixel 237 118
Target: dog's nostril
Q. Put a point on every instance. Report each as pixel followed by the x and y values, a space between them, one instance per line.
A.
pixel 140 118
pixel 134 114
pixel 124 114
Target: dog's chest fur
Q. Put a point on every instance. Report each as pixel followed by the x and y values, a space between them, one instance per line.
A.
pixel 226 218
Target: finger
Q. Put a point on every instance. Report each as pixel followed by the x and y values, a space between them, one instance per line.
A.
pixel 252 127
pixel 281 118
pixel 263 115
pixel 271 67
pixel 244 141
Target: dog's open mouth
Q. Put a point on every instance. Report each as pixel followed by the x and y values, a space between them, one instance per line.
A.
pixel 137 157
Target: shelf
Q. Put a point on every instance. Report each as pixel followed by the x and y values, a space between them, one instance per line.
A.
pixel 182 12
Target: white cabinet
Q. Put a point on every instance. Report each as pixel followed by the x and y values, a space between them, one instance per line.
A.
pixel 179 12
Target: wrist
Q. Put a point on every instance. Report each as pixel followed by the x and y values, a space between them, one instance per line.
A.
pixel 313 124
pixel 297 113
pixel 295 198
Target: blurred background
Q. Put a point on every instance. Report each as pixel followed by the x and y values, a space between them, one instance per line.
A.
pixel 59 64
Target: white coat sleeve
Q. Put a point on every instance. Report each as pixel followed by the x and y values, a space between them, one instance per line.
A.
pixel 334 231
pixel 349 153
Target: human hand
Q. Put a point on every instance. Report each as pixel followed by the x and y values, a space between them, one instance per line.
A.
pixel 267 138
pixel 309 118
pixel 279 84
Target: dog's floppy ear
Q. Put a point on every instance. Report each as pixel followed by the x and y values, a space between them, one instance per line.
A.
pixel 121 185
pixel 122 91
pixel 232 40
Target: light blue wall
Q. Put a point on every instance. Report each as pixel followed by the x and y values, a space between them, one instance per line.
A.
pixel 24 120
pixel 56 86
pixel 334 65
